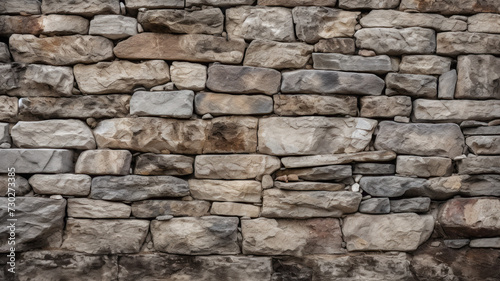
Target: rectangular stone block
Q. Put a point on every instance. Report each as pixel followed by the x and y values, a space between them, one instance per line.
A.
pixel 266 53
pixel 479 165
pixel 45 24
pixel 331 61
pixel 85 8
pixel 206 21
pixel 384 106
pixel 424 167
pixel 235 166
pixel 413 85
pixel 455 110
pixel 484 22
pixel 176 104
pixel 113 27
pixel 31 161
pixel 234 209
pixel 484 144
pixel 294 3
pixel 329 159
pixel 17 6
pixel 154 4
pixel 61 184
pixel 458 43
pixel 176 208
pixel 8 108
pixel 188 76
pixel 344 46
pixel 97 209
pixel 452 7
pixel 296 105
pixel 477 77
pixel 326 173
pixel 104 162
pixel 243 79
pixel 374 169
pixel 163 165
pixel 224 104
pixel 425 64
pixel 395 42
pixel 232 191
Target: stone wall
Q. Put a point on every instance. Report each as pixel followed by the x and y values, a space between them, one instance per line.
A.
pixel 283 140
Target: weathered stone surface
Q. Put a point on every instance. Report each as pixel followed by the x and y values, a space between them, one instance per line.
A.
pixel 480 185
pixel 4 52
pixel 320 82
pixel 424 167
pixel 35 80
pixel 5 140
pixel 22 185
pixel 232 134
pixel 479 165
pixel 32 161
pixel 154 4
pixel 374 169
pixel 155 208
pixel 76 107
pixel 334 172
pixel 234 209
pixel 177 104
pixel 254 22
pixel 389 18
pixel 189 76
pixel 39 220
pixel 484 130
pixel 64 25
pixel 235 166
pixel 456 43
pixel 309 186
pixel 292 105
pixel 97 209
pixel 207 21
pixel 64 50
pixel 444 140
pixel 456 243
pixel 120 76
pixel 60 265
pixel 196 236
pixel 411 205
pixel 63 184
pixel 375 206
pixel 455 110
pixel 419 86
pixel 190 47
pixel 484 144
pixel 315 23
pixel 163 165
pixel 243 79
pixel 225 104
pixel 104 162
pixel 308 204
pixel 136 188
pixel 377 64
pixel 266 53
pixel 86 8
pixel 368 4
pixel 451 7
pixel 8 108
pixel 335 45
pixel 394 232
pixel 447 85
pixel 105 236
pixel 485 243
pixel 475 217
pixel 221 3
pixel 219 190
pixel 391 41
pixel 384 106
pixel 390 186
pixel 291 237
pixel 294 3
pixel 329 159
pixel 425 64
pixel 314 135
pixel 487 22
pixel 20 6
pixel 478 77
pixel 113 26
pixel 157 266
pixel 53 134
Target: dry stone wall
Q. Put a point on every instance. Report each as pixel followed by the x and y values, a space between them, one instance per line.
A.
pixel 283 140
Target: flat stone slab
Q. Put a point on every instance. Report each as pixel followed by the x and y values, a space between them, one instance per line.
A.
pixel 329 159
pixel 62 184
pixel 484 144
pixel 277 55
pixel 176 208
pixel 457 43
pixel 149 164
pixel 225 104
pixel 455 110
pixel 220 190
pixel 97 209
pixel 298 105
pixel 411 205
pixel 207 21
pixel 479 165
pixel 243 79
pixel 451 7
pixel 113 27
pixel 424 167
pixel 413 85
pixel 104 162
pixel 309 186
pixel 326 173
pixel 235 166
pixel 376 64
pixel 395 42
pixel 86 8
pixel 425 64
pixel 176 104
pixel 31 161
pixel 235 209
pixel 31 7
pixel 384 106
pixel 487 22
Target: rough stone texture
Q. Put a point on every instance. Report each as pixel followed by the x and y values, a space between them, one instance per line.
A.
pixel 16 6
pixel 190 47
pixel 293 105
pixel 486 22
pixel 235 166
pixel 394 232
pixel 386 41
pixel 335 45
pixel 480 185
pixel 163 165
pixel 113 26
pixel 451 7
pixel 234 209
pixel 5 139
pixel 326 173
pixel 447 85
pixel 53 134
pixel 266 53
pixel 224 104
pixel 411 205
pixel 424 167
pixel 419 86
pixel 35 80
pixel 328 159
pixel 250 22
pixel 196 236
pixel 478 77
pixel 479 165
pixel 31 161
pixel 483 130
pixel 288 237
pixel 104 162
pixel 243 79
pixel 425 64
pixel 176 104
pixel 50 24
pixel 85 8
pixel 8 108
pixel 388 18
pixel 97 209
pixel 207 21
pixel 4 52
pixel 444 140
pixel 457 43
pixel 63 184
pixel 221 3
pixel 105 236
pixel 474 217
pixel 76 107
pixel 485 243
pixel 314 135
pixel 320 82
pixel 309 186
pixel 39 220
pixel 65 50
pixel 390 186
pixel 375 206
pixel 294 3
pixel 368 4
pixel 377 64
pixel 231 134
pixel 155 208
pixel 455 110
pixel 315 23
pixel 383 106
pixel 136 188
pixel 308 204
pixel 120 76
pixel 484 144
pixel 189 76
pixel 218 190
pixel 374 169
pixel 154 4
pixel 22 185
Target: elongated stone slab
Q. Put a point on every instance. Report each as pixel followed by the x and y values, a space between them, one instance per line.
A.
pixel 97 209
pixel 336 45
pixel 231 191
pixel 374 169
pixel 235 209
pixel 176 104
pixel 424 167
pixel 155 208
pixel 16 6
pixel 477 77
pixel 451 7
pixel 363 4
pixel 62 184
pixel 64 50
pixel 113 27
pixel 134 5
pixel 331 82
pixel 49 24
pixel 444 140
pixel 86 8
pixel 411 205
pixel 309 204
pixel 277 55
pixel 413 85
pixel 391 41
pixel 292 105
pixel 329 159
pixel 390 186
pixel 479 165
pixel 457 43
pixel 484 22
pixel 136 188
pixel 384 106
pixel 243 79
pixel 224 104
pixel 455 110
pixel 294 3
pixel 309 186
pixel 235 166
pixel 163 165
pixel 314 135
pixel 484 144
pixel 191 47
pixel 425 64
pixel 32 161
pixel 327 173
pixel 104 162
pixel 331 61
